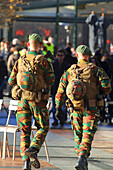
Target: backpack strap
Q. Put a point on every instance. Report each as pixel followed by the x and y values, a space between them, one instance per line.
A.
pixel 76 70
pixel 26 62
pixel 39 57
pixel 73 69
pixel 79 71
pixel 91 65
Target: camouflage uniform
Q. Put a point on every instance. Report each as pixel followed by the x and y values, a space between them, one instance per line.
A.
pixel 27 108
pixel 84 122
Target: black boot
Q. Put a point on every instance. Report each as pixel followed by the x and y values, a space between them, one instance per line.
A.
pixel 82 163
pixel 27 165
pixel 32 153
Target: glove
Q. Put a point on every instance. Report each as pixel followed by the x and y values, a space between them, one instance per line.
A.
pixel 59 115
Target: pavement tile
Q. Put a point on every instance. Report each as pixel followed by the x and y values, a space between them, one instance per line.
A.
pixel 8 163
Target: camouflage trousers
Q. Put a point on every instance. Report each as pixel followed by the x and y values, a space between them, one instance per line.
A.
pixel 84 125
pixel 25 110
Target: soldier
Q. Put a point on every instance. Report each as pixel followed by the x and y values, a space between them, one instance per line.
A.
pixel 59 66
pixel 32 99
pixel 84 115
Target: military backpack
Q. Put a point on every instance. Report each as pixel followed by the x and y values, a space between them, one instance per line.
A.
pixel 30 78
pixel 82 88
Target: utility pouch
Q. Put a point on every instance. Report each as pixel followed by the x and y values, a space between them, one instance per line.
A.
pixel 16 92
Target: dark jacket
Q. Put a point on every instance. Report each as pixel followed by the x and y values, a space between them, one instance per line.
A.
pixel 59 69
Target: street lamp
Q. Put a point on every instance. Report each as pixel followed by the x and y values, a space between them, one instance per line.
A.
pixel 68 28
pixel 67 32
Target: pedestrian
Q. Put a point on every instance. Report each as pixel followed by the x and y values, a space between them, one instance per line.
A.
pixel 69 58
pixel 30 102
pixel 91 21
pixel 84 113
pixel 59 67
pixel 49 45
pixel 3 76
pixel 12 59
pixel 10 63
